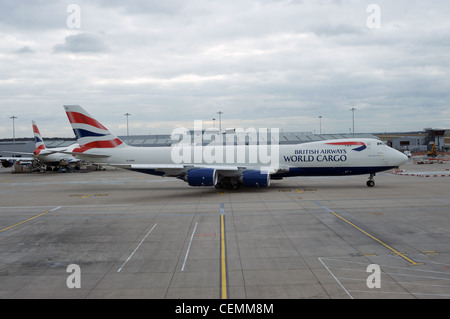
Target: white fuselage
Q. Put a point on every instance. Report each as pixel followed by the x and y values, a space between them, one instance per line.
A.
pixel 53 156
pixel 370 154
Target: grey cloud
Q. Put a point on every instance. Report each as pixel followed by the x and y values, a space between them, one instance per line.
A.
pixel 35 15
pixel 266 60
pixel 336 30
pixel 25 50
pixel 80 43
pixel 147 7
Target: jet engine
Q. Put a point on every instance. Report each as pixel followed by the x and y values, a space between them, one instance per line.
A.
pixel 255 179
pixel 7 163
pixel 201 177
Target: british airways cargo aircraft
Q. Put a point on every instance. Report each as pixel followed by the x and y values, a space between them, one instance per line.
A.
pixel 231 166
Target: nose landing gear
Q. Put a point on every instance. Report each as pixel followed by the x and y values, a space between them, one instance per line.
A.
pixel 371 182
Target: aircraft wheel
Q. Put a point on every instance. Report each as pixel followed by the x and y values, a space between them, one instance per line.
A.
pixel 370 183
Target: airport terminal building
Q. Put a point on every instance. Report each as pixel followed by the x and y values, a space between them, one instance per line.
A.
pixel 419 141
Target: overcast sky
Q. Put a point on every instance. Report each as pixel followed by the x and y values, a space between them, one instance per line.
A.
pixel 268 63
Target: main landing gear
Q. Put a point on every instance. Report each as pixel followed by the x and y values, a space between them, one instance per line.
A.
pixel 371 182
pixel 228 183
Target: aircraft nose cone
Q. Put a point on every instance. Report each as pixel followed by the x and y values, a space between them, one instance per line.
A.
pixel 400 158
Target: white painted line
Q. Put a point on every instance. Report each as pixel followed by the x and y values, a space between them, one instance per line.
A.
pixel 129 257
pixel 56 208
pixel 189 247
pixel 69 206
pixel 320 259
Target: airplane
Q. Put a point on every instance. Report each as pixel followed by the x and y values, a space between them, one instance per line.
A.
pixel 10 161
pixel 55 157
pixel 339 157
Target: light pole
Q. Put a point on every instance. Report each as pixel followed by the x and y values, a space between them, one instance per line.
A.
pixel 128 133
pixel 220 121
pixel 214 122
pixel 353 116
pixel 14 129
pixel 320 124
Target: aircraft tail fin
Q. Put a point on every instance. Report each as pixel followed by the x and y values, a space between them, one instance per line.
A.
pixel 90 133
pixel 38 141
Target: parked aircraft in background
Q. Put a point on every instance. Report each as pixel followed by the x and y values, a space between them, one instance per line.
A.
pixel 55 157
pixel 10 161
pixel 51 157
pixel 325 158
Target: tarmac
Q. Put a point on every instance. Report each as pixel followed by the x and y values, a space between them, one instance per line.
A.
pixel 120 234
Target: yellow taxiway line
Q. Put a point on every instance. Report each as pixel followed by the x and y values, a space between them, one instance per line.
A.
pixel 24 221
pixel 397 253
pixel 394 251
pixel 223 264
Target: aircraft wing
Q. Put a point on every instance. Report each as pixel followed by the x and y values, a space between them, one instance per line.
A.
pixel 85 155
pixel 179 169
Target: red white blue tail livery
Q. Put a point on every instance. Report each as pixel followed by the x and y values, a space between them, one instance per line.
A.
pixel 38 141
pixel 90 133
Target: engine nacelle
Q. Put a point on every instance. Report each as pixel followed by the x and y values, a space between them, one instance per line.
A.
pixel 7 163
pixel 255 179
pixel 201 177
